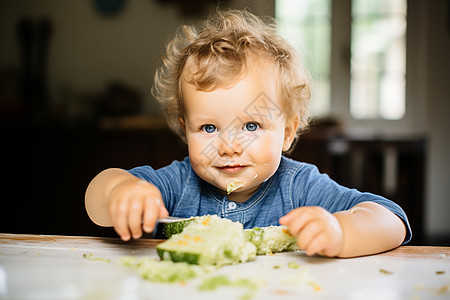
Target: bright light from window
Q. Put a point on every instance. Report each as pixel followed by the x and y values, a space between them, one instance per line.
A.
pixel 378 63
pixel 306 24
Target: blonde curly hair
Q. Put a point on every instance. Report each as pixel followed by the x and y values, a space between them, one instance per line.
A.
pixel 217 51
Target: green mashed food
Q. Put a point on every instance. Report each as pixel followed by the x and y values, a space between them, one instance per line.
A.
pixel 91 256
pixel 162 271
pixel 170 272
pixel 267 240
pixel 208 240
pixel 272 239
pixel 213 283
pixel 200 245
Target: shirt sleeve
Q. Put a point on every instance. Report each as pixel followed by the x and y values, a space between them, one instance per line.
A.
pixel 312 188
pixel 169 180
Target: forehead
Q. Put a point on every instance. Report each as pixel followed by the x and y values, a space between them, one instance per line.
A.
pixel 264 107
pixel 254 92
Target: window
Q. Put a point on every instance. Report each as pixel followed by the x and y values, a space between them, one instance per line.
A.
pixel 377 70
pixel 378 60
pixel 306 24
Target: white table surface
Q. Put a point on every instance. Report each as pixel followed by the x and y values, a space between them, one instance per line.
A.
pixel 53 267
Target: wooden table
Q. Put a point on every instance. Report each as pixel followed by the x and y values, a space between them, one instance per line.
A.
pixel 54 267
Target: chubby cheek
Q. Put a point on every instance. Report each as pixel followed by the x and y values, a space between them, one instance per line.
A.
pixel 267 146
pixel 198 155
pixel 266 152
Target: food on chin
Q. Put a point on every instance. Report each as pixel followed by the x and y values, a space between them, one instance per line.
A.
pixel 234 185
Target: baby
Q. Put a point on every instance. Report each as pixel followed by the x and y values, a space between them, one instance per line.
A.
pixel 236 93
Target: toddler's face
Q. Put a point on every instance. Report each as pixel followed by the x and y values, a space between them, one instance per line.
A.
pixel 237 132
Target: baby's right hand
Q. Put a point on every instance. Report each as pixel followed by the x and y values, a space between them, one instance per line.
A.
pixel 134 205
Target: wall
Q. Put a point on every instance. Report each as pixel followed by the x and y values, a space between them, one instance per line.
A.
pixel 438 120
pixel 88 50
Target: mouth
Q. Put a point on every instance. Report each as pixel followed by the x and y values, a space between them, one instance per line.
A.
pixel 232 168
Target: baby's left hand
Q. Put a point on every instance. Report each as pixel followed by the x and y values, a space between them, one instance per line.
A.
pixel 317 230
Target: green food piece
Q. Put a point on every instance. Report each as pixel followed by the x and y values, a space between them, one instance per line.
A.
pixel 293 265
pixel 385 271
pixel 178 256
pixel 440 272
pixel 234 185
pixel 215 282
pixel 176 227
pixel 91 256
pixel 255 236
pixel 162 271
pixel 208 240
pixel 271 239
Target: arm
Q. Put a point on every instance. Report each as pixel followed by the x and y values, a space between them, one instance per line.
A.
pixel 365 229
pixel 369 228
pixel 116 198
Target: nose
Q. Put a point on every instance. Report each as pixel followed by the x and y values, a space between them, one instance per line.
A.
pixel 229 145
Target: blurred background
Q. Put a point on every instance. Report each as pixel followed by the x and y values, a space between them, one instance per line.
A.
pixel 75 79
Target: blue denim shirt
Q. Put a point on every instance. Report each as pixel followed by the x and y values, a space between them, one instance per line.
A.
pixel 294 184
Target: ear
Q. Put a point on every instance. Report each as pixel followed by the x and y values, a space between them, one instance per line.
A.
pixel 289 132
pixel 183 125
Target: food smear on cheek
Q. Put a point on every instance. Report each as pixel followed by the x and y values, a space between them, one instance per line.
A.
pixel 234 184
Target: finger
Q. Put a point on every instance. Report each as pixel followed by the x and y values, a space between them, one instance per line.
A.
pixel 163 212
pixel 120 218
pixel 298 222
pixel 135 213
pixel 150 214
pixel 308 233
pixel 317 244
pixel 112 211
pixel 286 219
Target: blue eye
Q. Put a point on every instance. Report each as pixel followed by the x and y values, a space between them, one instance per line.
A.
pixel 251 126
pixel 209 128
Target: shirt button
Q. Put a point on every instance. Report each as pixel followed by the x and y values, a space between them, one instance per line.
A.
pixel 232 205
